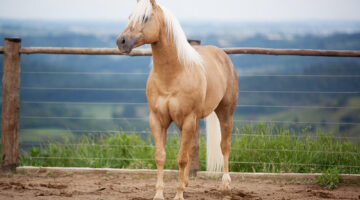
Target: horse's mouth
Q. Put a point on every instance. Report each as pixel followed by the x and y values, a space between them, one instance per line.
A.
pixel 126 52
pixel 125 44
pixel 125 49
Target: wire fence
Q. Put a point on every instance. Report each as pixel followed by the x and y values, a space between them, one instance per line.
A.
pixel 177 133
pixel 175 146
pixel 240 91
pixel 203 161
pixel 242 75
pixel 146 119
pixel 254 147
pixel 145 104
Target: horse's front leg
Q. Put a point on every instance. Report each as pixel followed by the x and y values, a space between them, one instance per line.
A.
pixel 158 131
pixel 188 129
pixel 193 146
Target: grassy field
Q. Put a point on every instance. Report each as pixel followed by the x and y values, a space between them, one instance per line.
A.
pixel 348 113
pixel 36 135
pixel 260 148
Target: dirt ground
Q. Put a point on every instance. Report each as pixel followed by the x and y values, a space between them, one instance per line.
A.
pixel 44 184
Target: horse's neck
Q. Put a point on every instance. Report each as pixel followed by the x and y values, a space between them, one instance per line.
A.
pixel 165 57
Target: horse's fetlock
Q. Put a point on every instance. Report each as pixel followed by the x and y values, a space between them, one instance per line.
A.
pixel 160 186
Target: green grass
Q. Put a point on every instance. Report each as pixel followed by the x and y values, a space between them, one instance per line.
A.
pixel 268 149
pixel 330 178
pixel 276 150
pixel 36 135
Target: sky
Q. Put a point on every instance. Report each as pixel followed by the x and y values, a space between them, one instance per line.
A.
pixel 199 10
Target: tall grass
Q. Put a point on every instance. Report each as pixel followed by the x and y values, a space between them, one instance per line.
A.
pixel 261 148
pixel 267 148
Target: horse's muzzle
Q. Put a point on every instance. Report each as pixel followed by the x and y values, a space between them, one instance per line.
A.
pixel 125 44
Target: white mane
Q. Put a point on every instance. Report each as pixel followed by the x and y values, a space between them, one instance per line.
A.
pixel 142 10
pixel 186 53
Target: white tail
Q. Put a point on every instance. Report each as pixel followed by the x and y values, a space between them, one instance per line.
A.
pixel 214 157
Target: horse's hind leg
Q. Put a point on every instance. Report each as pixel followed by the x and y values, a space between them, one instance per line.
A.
pixel 159 134
pixel 225 112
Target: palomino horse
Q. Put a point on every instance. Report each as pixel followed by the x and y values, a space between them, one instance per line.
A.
pixel 185 84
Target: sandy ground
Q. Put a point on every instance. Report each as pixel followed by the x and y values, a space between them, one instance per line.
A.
pixel 44 184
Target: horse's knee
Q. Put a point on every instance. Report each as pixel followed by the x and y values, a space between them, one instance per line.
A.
pixel 182 161
pixel 160 156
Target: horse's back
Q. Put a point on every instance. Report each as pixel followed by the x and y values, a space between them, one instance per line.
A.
pixel 214 55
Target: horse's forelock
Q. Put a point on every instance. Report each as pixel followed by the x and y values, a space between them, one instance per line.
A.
pixel 143 9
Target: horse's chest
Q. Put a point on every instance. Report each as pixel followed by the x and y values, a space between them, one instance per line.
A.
pixel 160 105
pixel 169 106
pixel 176 99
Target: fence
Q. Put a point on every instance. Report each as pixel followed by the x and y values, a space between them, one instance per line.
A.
pixel 11 89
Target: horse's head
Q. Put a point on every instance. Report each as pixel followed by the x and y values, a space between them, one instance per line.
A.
pixel 143 28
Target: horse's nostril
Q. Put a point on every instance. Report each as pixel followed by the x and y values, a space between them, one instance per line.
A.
pixel 123 41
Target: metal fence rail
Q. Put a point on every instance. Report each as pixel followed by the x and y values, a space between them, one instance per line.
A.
pixel 145 104
pixel 204 161
pixel 240 91
pixel 146 119
pixel 240 75
pixel 233 149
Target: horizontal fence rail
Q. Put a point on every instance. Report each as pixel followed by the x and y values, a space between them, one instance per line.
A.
pixel 239 75
pixel 233 149
pixel 293 52
pixel 147 52
pixel 146 119
pixel 82 51
pixel 240 91
pixel 176 133
pixel 145 104
pixel 203 161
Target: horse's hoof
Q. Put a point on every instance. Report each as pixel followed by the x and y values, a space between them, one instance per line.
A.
pixel 225 186
pixel 226 180
pixel 159 196
pixel 179 197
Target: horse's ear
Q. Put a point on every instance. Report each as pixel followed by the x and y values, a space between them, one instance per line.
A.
pixel 153 3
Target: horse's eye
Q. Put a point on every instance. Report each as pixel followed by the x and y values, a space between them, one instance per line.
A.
pixel 145 19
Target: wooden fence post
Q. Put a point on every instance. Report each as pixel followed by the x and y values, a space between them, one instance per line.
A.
pixel 194 42
pixel 11 105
